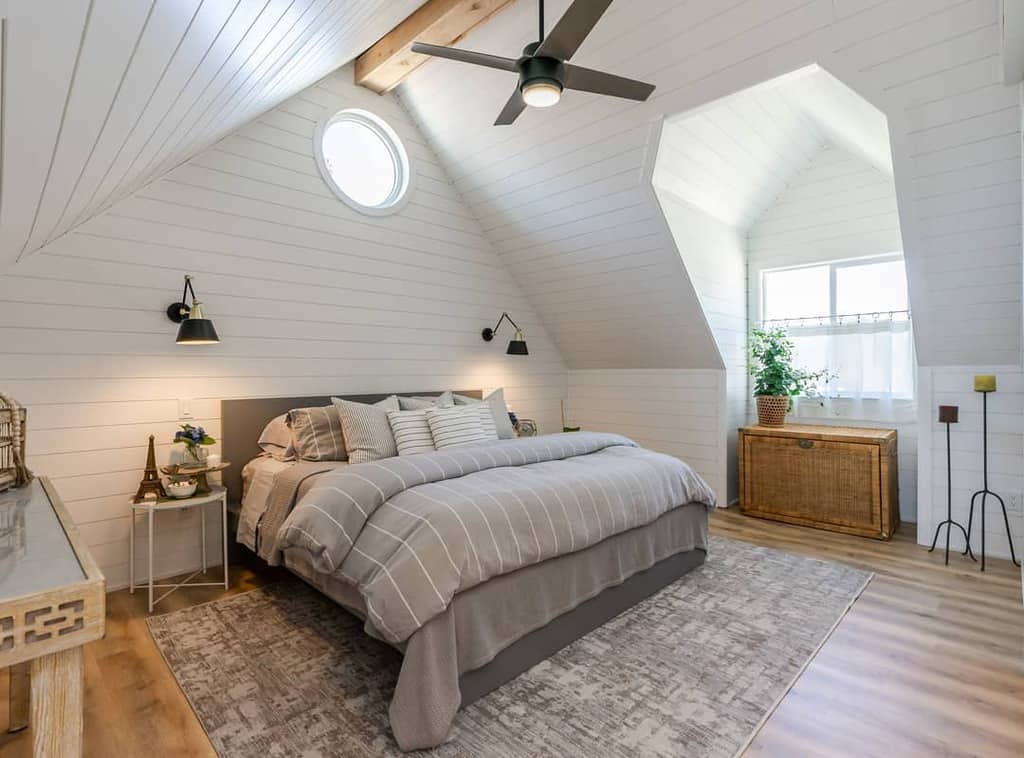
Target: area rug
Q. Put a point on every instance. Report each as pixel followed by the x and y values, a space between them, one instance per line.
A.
pixel 691 671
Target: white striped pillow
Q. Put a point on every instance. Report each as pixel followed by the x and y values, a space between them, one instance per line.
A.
pixel 412 432
pixel 452 427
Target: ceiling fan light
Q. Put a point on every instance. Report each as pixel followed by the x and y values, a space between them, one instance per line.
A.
pixel 542 93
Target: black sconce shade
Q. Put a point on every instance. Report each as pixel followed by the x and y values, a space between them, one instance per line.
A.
pixel 517 345
pixel 194 329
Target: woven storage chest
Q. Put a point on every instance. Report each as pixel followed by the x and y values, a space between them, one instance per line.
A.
pixel 839 478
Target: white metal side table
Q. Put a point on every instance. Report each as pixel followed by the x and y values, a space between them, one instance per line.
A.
pixel 216 495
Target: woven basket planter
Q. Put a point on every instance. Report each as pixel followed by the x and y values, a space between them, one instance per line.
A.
pixel 772 409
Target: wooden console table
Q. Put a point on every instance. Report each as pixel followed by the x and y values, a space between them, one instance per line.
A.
pixel 52 601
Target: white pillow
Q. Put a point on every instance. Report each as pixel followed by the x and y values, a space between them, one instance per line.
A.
pixel 499 411
pixel 367 432
pixel 454 427
pixel 411 431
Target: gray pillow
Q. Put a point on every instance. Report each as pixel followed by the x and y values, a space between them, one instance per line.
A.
pixel 367 432
pixel 317 434
pixel 444 400
pixel 502 423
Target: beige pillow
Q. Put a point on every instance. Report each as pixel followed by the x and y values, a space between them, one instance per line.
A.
pixel 276 439
pixel 368 435
pixel 317 434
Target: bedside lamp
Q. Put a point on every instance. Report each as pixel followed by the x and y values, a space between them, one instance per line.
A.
pixel 517 345
pixel 194 329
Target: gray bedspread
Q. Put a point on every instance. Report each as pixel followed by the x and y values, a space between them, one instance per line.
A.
pixel 412 532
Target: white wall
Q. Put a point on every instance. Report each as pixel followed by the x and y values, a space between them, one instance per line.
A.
pixel 556 192
pixel 840 206
pixel 715 257
pixel 309 297
pixel 955 386
pixel 677 412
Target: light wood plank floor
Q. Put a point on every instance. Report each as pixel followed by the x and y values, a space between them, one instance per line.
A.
pixel 929 661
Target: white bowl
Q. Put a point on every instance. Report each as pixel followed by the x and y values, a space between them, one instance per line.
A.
pixel 181 489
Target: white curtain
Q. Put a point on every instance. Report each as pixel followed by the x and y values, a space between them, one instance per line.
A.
pixel 871 358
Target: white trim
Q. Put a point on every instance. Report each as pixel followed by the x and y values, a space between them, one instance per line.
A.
pixel 402 190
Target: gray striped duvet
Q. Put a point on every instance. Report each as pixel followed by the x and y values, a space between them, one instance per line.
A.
pixel 410 532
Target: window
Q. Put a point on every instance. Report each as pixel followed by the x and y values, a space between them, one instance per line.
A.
pixel 851 317
pixel 363 161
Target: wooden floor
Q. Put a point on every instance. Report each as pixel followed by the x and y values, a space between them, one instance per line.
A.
pixel 928 662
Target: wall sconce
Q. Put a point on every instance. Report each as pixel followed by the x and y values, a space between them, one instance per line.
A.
pixel 517 345
pixel 194 329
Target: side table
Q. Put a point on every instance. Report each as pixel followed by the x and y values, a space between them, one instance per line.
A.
pixel 216 495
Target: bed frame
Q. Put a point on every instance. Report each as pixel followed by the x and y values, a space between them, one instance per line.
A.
pixel 243 420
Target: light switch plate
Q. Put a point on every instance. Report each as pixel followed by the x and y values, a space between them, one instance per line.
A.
pixel 184 408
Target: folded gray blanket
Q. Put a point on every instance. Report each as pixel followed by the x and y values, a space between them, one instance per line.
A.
pixel 411 532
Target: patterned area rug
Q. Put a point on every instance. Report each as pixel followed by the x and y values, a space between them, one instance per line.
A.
pixel 693 670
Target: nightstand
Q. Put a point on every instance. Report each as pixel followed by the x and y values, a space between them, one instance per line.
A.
pixel 217 495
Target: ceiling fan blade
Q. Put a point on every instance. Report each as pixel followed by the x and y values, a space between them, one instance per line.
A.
pixel 512 109
pixel 572 28
pixel 466 56
pixel 589 80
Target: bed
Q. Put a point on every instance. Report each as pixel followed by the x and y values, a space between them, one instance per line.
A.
pixel 476 562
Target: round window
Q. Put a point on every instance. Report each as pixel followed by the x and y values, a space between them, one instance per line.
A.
pixel 363 161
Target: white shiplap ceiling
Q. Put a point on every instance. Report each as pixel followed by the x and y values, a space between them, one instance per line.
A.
pixel 102 96
pixel 733 157
pixel 561 193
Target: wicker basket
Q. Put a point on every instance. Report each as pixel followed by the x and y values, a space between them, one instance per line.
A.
pixel 772 410
pixel 12 445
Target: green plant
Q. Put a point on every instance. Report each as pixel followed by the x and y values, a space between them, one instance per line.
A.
pixel 771 365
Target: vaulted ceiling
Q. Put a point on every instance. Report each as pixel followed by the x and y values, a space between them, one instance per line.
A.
pixel 734 156
pixel 102 96
pixel 565 197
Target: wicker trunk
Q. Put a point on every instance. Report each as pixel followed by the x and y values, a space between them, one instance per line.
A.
pixel 838 478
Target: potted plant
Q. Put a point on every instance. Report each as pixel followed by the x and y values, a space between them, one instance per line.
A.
pixel 194 438
pixel 776 379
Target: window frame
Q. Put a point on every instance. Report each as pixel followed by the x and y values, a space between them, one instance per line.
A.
pixel 832 282
pixel 400 193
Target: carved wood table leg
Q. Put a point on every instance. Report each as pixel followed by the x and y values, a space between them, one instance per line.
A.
pixel 57 699
pixel 18 696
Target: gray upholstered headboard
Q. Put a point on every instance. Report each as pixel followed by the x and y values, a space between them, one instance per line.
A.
pixel 242 421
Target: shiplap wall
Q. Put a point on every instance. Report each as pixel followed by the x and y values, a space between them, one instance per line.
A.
pixel 308 296
pixel 556 190
pixel 955 386
pixel 102 96
pixel 840 206
pixel 678 412
pixel 716 260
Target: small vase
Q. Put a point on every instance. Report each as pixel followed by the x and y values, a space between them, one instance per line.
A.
pixel 772 410
pixel 194 457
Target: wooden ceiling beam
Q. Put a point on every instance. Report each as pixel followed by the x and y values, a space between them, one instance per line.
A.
pixel 439 22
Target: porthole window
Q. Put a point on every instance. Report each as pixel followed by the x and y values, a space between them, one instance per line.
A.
pixel 363 161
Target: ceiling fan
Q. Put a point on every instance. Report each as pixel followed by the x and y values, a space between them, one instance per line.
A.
pixel 542 68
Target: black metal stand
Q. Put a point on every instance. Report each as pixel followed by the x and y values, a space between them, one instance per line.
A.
pixel 949 523
pixel 985 492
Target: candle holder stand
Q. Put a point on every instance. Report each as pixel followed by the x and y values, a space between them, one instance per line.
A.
pixel 949 414
pixel 984 492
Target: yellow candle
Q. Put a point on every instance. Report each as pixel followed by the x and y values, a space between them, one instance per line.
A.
pixel 984 383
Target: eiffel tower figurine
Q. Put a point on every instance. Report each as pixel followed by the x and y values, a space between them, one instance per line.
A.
pixel 150 483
